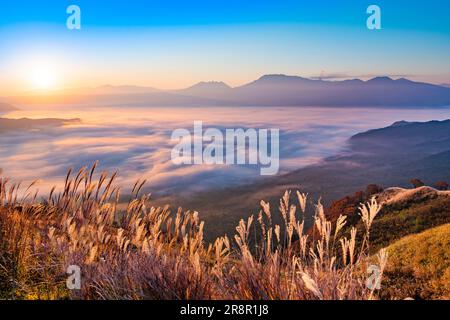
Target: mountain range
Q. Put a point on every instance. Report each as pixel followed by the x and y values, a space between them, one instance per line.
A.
pixel 269 90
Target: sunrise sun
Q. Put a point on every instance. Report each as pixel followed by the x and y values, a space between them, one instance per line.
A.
pixel 43 77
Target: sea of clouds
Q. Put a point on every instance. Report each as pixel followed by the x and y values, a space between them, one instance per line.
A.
pixel 136 142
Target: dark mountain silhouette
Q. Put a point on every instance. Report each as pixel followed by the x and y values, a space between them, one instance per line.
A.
pixel 403 134
pixel 380 91
pixel 269 90
pixel 281 80
pixel 211 89
pixel 284 90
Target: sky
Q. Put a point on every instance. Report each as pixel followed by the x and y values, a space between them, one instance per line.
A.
pixel 174 44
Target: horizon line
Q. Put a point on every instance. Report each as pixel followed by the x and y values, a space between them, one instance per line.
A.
pixel 324 78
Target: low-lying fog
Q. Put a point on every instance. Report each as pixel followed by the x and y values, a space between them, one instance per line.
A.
pixel 136 141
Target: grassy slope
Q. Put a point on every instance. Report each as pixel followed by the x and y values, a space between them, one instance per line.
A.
pixel 415 225
pixel 399 220
pixel 410 211
pixel 419 266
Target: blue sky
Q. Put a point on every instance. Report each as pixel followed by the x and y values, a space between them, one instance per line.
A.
pixel 432 15
pixel 171 44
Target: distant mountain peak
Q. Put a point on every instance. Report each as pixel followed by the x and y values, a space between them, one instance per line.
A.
pixel 400 123
pixel 280 79
pixel 383 79
pixel 208 89
pixel 275 90
pixel 404 80
pixel 270 77
pixel 211 84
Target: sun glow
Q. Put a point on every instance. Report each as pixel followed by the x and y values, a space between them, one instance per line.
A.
pixel 43 77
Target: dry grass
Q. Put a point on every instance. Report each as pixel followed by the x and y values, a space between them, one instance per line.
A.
pixel 145 252
pixel 419 265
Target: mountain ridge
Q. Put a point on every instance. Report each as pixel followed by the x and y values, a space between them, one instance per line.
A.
pixel 275 90
pixel 366 160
